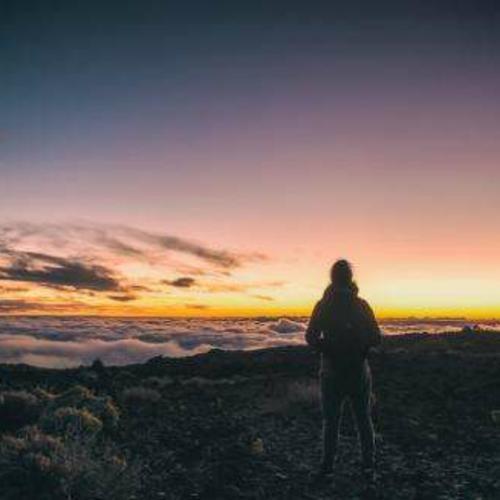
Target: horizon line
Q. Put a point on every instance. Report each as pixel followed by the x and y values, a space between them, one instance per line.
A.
pixel 240 316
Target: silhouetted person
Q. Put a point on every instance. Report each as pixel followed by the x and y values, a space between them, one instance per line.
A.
pixel 343 328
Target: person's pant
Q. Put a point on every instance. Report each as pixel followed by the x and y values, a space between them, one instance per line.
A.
pixel 336 387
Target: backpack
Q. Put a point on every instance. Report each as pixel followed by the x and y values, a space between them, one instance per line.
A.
pixel 344 329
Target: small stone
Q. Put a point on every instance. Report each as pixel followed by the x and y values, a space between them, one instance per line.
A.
pixel 257 447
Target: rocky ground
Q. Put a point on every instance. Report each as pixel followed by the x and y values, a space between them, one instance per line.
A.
pixel 246 425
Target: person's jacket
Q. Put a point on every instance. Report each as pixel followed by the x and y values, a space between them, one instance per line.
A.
pixel 342 328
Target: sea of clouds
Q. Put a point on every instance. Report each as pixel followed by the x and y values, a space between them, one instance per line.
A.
pixel 73 341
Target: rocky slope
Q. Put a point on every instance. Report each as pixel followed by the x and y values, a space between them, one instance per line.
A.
pixel 230 425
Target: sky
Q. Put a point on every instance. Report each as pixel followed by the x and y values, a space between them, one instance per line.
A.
pixel 215 158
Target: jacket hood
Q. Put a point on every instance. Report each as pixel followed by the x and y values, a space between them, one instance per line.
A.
pixel 331 291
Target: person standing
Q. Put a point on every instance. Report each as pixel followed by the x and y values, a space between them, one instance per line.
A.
pixel 343 329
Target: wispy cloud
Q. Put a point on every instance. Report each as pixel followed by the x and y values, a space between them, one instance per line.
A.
pixel 223 258
pixel 122 240
pixel 242 287
pixel 208 286
pixel 119 264
pixel 267 298
pixel 198 306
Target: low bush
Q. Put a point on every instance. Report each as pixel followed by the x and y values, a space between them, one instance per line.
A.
pixel 158 382
pixel 72 420
pixel 43 395
pixel 81 398
pixel 41 466
pixel 76 396
pixel 17 409
pixel 26 465
pixel 137 397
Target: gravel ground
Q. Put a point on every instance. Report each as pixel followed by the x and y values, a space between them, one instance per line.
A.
pixel 256 436
pixel 246 425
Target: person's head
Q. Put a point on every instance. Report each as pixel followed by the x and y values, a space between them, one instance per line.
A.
pixel 341 274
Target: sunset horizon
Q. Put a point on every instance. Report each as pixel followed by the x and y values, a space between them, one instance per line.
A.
pixel 115 270
pixel 249 250
pixel 164 162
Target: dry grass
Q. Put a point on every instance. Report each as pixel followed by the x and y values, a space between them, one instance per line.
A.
pixel 287 396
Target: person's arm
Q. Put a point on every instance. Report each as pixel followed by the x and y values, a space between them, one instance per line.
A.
pixel 373 333
pixel 314 329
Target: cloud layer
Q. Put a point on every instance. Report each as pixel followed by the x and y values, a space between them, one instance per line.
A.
pixel 72 341
pixel 120 240
pixel 64 342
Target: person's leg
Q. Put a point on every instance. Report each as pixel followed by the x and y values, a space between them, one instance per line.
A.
pixel 361 405
pixel 332 403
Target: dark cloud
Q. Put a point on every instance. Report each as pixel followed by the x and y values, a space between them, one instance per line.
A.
pixel 52 271
pixel 219 257
pixel 197 306
pixel 21 306
pixel 123 297
pixel 11 305
pixel 139 288
pixel 13 289
pixel 184 282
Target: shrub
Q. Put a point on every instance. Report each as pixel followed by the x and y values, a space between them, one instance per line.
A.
pixel 89 377
pixel 71 420
pixel 137 397
pixel 124 378
pixel 17 409
pixel 97 366
pixel 43 395
pixel 93 473
pixel 106 410
pixel 158 382
pixel 76 396
pixel 26 465
pixel 81 398
pixel 37 465
pixel 90 472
